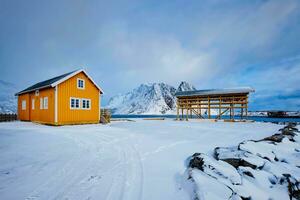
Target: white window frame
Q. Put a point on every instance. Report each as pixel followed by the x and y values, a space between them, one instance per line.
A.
pixel 71 98
pixel 45 103
pixel 83 83
pixel 79 103
pixel 41 103
pixel 32 104
pixel 86 100
pixel 23 105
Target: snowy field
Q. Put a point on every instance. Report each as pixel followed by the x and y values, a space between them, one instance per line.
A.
pixel 123 160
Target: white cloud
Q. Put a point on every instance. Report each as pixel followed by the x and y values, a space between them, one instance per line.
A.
pixel 226 40
pixel 152 57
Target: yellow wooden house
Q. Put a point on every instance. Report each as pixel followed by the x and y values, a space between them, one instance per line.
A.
pixel 71 98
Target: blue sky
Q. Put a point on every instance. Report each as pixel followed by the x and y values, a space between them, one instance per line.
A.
pixel 211 44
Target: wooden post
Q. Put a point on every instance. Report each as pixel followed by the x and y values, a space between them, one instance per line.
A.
pixel 242 113
pixel 220 107
pixel 200 108
pixel 177 109
pixel 246 109
pixel 242 109
pixel 187 114
pixel 208 108
pixel 187 110
pixel 233 111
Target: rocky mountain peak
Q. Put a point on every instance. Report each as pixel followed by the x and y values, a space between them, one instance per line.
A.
pixel 152 98
pixel 185 86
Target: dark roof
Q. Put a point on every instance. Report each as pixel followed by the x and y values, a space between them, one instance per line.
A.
pixel 244 90
pixel 44 84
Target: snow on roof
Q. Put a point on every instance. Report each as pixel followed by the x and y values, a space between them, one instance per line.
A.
pixel 55 81
pixel 241 90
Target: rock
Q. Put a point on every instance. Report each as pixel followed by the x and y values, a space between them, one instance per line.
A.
pixel 219 169
pixel 248 173
pixel 238 162
pixel 245 198
pixel 196 162
pixel 289 129
pixel 291 125
pixel 292 184
pixel 288 132
pixel 208 188
pixel 237 157
pixel 274 138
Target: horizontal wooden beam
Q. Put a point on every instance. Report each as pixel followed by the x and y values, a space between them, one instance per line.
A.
pixel 212 103
pixel 213 107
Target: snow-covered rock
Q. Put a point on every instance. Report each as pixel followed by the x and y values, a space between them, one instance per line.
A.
pixel 236 157
pixel 154 98
pixel 262 169
pixel 8 102
pixel 218 169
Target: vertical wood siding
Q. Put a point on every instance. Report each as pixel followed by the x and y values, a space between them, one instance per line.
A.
pixel 23 114
pixel 38 115
pixel 69 89
pixel 42 115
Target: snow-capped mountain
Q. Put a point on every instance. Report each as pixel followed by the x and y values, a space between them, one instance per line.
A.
pixel 155 98
pixel 185 86
pixel 8 102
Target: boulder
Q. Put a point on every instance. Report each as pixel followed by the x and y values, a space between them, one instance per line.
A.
pixel 238 158
pixel 196 162
pixel 274 138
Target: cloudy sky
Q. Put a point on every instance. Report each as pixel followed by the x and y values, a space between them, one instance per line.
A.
pixel 211 44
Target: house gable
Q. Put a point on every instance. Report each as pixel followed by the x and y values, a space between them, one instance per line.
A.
pixel 68 90
pixel 74 74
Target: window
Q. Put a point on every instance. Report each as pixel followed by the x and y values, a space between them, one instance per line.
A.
pixel 83 103
pixel 32 104
pixel 45 102
pixel 80 83
pixel 77 103
pixel 37 93
pixel 86 104
pixel 41 103
pixel 23 104
pixel 74 103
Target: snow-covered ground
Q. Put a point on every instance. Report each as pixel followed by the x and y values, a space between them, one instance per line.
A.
pixel 123 160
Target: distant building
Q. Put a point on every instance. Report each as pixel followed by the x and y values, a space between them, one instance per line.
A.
pixel 277 114
pixel 71 98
